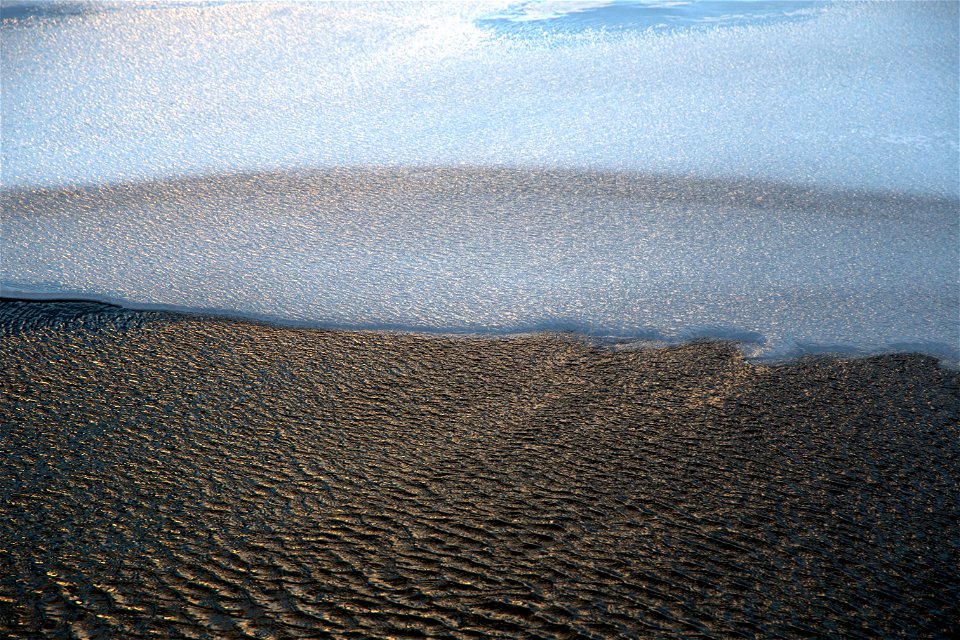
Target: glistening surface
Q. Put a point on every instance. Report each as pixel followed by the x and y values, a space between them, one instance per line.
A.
pixel 854 99
pixel 857 95
pixel 786 269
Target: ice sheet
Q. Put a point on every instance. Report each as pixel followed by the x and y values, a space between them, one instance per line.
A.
pixel 786 270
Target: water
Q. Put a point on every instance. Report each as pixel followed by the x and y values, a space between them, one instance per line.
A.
pixel 840 122
pixel 864 96
pixel 181 477
pixel 537 20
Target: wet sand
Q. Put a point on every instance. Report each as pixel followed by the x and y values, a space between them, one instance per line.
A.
pixel 169 475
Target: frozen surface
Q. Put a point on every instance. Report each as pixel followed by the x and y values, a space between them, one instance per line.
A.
pixel 783 173
pixel 531 19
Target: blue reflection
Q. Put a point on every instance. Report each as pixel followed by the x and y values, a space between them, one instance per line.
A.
pixel 531 19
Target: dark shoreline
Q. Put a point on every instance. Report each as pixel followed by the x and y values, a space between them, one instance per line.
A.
pixel 173 475
pixel 744 340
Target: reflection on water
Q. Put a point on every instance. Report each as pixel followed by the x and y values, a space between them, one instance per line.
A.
pixel 793 269
pixel 531 19
pixel 847 99
pixel 853 95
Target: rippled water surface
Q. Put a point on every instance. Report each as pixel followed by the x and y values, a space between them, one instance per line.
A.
pixel 482 156
pixel 784 269
pixel 852 95
pixel 411 194
pixel 175 476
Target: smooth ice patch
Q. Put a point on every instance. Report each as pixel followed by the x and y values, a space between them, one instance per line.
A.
pixel 530 19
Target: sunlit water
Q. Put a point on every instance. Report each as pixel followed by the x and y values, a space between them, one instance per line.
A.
pixel 736 110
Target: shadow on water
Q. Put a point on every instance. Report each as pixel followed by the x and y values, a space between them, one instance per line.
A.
pixel 736 192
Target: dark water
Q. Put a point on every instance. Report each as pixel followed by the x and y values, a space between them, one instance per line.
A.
pixel 180 476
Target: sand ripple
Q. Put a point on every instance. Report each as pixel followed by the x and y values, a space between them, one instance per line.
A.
pixel 176 476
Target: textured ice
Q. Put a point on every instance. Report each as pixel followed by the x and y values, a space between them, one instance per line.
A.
pixel 793 183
